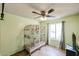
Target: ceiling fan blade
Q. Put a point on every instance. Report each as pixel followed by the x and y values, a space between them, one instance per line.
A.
pixel 37 17
pixel 49 16
pixel 51 10
pixel 36 12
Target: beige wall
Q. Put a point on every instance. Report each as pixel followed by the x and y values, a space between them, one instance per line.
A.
pixel 71 25
pixel 11 33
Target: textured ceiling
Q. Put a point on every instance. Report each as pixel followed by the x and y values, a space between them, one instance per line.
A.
pixel 25 9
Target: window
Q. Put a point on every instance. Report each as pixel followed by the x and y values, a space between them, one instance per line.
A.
pixel 55 31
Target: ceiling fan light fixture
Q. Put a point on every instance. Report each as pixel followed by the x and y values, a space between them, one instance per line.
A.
pixel 43 18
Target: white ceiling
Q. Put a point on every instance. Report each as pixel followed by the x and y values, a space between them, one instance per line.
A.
pixel 25 9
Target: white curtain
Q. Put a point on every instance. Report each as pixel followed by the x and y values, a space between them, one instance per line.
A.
pixel 54 34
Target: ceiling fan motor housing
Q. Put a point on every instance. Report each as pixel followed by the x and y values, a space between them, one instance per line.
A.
pixel 43 13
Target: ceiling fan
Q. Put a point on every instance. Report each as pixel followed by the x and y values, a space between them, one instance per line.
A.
pixel 2 13
pixel 43 13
